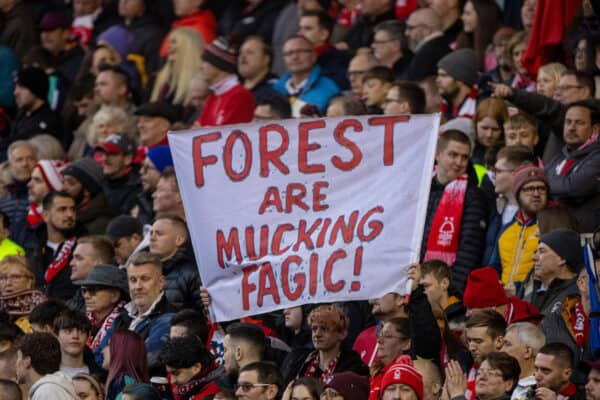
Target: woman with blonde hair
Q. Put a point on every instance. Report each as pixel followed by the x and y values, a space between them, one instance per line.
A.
pixel 548 78
pixel 18 295
pixel 107 121
pixel 183 62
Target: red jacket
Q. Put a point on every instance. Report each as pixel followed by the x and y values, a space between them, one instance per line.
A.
pixel 202 21
pixel 230 103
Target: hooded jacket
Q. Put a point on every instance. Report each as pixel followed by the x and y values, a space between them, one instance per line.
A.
pixel 121 192
pixel 56 386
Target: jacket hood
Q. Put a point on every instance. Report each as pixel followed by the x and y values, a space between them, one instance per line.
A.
pixel 54 386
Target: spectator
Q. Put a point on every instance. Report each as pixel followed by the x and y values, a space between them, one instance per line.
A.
pixel 89 252
pixel 425 40
pixel 128 237
pixel 169 242
pixel 548 79
pixel 274 107
pixel 431 377
pixel 376 84
pixel 230 102
pixel 523 341
pixel 113 87
pixel 390 47
pixel 402 381
pixel 481 19
pixel 516 241
pixel 317 27
pixel 191 367
pixel 359 65
pixel 490 116
pixel 48 147
pixel 34 115
pixel 591 388
pixel 125 360
pixel 435 279
pixel 52 246
pixel 87 387
pixel 38 363
pixel 571 173
pixel 7 246
pixel 556 217
pixel 553 370
pixel 189 323
pixel 167 198
pixel 503 69
pixel 241 21
pixel 105 292
pixel 455 79
pixel 141 391
pixel 260 377
pixel 122 181
pixel 108 120
pixel 516 49
pixel 83 181
pixel 46 177
pixel 521 129
pixel 10 390
pixel 149 312
pixel 16 15
pixel 404 97
pixel 155 163
pixel 154 121
pixel 308 388
pixel 360 34
pixel 192 14
pixel 305 82
pixel 43 315
pixel 465 249
pixel 345 105
pixel 449 12
pixel 244 344
pixel 90 18
pixel 198 93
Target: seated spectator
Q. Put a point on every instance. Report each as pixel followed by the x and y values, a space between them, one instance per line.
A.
pixel 72 329
pixel 523 341
pixel 38 364
pixel 521 129
pixel 390 47
pixel 425 40
pixel 17 288
pixel 329 328
pixel 83 181
pixel 404 97
pixel 376 84
pixel 260 374
pixel 317 26
pixel 183 61
pixel 345 105
pixel 517 241
pixel 192 14
pixel 43 315
pixel 126 362
pixel 571 174
pixel 305 81
pixel 230 102
pixel 128 237
pixel 121 180
pixel 554 365
pixel 191 368
pixel 105 293
pixel 402 381
pixel 456 77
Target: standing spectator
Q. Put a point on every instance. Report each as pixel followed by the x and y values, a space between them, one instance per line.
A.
pixel 128 238
pixel 449 12
pixel 390 47
pixel 554 366
pixel 456 78
pixel 230 102
pixel 16 15
pixel 125 360
pixel 121 179
pixel 242 19
pixel 152 167
pixel 305 82
pixel 490 116
pixel 481 19
pixel 113 87
pixel 462 218
pixel 83 181
pixel 425 40
pixel 38 364
pixel 548 79
pixel 572 173
pixel 192 14
pixel 516 48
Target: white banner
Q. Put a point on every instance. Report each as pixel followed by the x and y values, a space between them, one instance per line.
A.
pixel 283 213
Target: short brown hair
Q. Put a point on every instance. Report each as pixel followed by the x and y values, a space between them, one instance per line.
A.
pixel 451 135
pixel 102 246
pixel 490 319
pixel 145 257
pixel 516 155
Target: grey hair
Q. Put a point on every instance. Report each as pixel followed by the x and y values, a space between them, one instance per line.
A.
pixel 529 335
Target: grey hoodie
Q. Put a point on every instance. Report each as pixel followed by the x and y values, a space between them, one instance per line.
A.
pixel 56 386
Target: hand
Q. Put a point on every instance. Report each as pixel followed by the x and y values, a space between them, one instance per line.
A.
pixel 414 273
pixel 510 289
pixel 206 300
pixel 501 90
pixel 456 379
pixel 543 393
pixel 287 394
pixel 341 46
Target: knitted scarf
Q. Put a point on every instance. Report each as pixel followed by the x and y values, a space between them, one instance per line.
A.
pixel 470 392
pixel 21 303
pixel 313 365
pixel 105 327
pixel 61 260
pixel 442 243
pixel 34 215
pixel 465 109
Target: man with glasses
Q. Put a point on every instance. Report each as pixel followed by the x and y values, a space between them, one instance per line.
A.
pixel 259 381
pixel 359 65
pixel 404 97
pixel 517 240
pixel 390 47
pixel 305 82
pixel 572 174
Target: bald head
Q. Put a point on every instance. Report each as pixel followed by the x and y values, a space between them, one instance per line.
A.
pixel 362 62
pixel 420 24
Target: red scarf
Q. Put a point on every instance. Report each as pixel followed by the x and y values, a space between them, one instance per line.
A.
pixel 576 320
pixel 34 215
pixel 470 392
pixel 314 364
pixel 61 260
pixel 465 109
pixel 104 327
pixel 442 243
pixel 565 166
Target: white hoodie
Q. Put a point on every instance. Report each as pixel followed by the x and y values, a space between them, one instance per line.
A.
pixel 56 386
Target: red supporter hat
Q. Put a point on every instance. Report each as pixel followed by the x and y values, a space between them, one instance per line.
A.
pixel 51 171
pixel 525 174
pixel 484 289
pixel 116 144
pixel 402 371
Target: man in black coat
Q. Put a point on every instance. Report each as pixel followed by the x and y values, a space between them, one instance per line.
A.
pixel 455 224
pixel 169 242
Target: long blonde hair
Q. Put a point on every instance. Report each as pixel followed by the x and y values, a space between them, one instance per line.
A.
pixel 179 72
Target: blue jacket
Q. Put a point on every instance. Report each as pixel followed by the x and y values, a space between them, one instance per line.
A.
pixel 318 90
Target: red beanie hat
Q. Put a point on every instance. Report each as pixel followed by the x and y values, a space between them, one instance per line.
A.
pixel 402 371
pixel 525 174
pixel 484 289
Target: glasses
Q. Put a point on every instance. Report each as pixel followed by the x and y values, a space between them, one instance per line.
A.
pixel 499 170
pixel 490 373
pixel 13 277
pixel 563 88
pixel 146 168
pixel 330 394
pixel 247 386
pixel 91 290
pixel 381 337
pixel 299 51
pixel 531 189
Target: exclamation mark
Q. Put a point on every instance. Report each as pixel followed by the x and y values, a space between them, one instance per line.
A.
pixel 355 285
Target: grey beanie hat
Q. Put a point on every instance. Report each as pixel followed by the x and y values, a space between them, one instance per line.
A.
pixel 567 244
pixel 88 172
pixel 461 65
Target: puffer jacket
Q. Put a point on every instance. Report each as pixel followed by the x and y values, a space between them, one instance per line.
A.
pixel 578 188
pixel 121 192
pixel 472 231
pixel 182 281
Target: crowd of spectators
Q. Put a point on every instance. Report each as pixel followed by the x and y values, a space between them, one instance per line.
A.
pixel 100 291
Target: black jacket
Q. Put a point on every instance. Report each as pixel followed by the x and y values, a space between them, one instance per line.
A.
pixel 425 59
pixel 121 192
pixel 360 34
pixel 144 205
pixel 182 281
pixel 18 29
pixel 426 341
pixel 95 215
pixel 472 231
pixel 548 301
pixel 42 120
pixel 147 39
pixel 258 21
pixel 297 361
